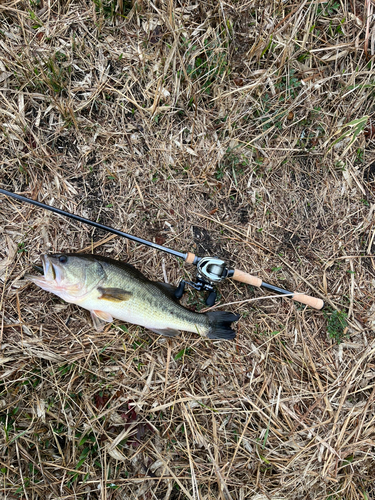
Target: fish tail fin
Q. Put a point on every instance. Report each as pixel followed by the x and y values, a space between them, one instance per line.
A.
pixel 220 325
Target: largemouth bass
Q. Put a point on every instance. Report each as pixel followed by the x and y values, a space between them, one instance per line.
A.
pixel 111 289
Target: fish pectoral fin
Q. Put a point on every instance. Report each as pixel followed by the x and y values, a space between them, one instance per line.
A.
pixel 99 318
pixel 167 332
pixel 114 294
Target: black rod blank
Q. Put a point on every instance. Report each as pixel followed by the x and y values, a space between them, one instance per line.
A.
pixel 95 224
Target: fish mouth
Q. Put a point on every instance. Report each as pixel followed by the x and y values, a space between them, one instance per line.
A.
pixel 57 279
pixel 49 269
pixel 51 274
pixel 38 268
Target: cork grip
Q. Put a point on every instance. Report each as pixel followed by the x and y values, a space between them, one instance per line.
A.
pixel 246 278
pixel 190 258
pixel 309 301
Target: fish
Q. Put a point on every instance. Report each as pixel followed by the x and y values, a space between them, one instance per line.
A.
pixel 112 289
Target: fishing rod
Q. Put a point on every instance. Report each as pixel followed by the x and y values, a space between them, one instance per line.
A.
pixel 210 270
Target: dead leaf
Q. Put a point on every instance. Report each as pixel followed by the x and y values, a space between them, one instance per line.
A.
pixel 191 151
pixel 160 240
pixel 239 82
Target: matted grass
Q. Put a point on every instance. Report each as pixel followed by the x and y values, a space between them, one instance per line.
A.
pixel 243 129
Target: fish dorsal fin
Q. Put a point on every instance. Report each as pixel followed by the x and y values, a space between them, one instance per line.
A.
pixel 168 289
pixel 167 332
pixel 99 318
pixel 114 294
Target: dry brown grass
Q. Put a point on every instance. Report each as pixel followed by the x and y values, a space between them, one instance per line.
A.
pixel 211 127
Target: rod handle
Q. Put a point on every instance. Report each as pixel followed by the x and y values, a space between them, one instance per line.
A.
pixel 246 278
pixel 308 301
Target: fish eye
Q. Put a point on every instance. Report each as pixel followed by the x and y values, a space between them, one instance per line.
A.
pixel 63 259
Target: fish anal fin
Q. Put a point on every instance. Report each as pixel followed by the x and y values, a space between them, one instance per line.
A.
pixel 114 294
pixel 99 318
pixel 167 332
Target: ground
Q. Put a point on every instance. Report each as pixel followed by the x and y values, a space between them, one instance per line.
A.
pixel 240 129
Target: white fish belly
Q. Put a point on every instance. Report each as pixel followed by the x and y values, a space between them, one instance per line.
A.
pixel 143 314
